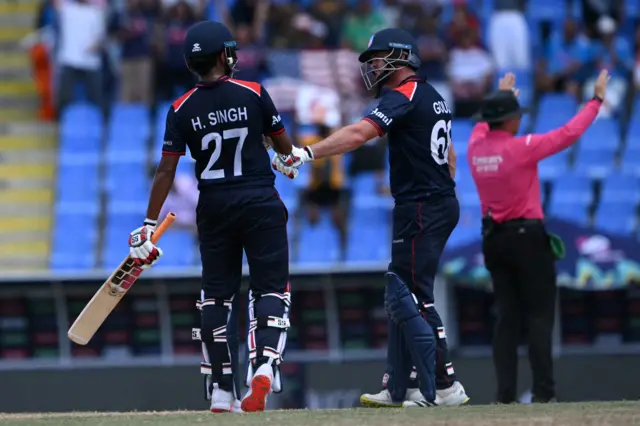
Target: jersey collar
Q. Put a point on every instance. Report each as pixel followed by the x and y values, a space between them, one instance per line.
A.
pixel 411 78
pixel 212 83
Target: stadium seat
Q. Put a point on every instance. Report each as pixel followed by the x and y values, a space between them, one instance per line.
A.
pixel 466 189
pixel 78 183
pixel 319 243
pixel 630 162
pixel 574 212
pixel 546 10
pixel 369 236
pixel 364 191
pixel 468 228
pixel 573 190
pixel 616 218
pixel 127 178
pixel 602 135
pixel 66 253
pixel 81 121
pixel 555 166
pixel 554 110
pixel 620 189
pixel 179 248
pixel 594 163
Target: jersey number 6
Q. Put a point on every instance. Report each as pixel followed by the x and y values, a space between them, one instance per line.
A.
pixel 240 134
pixel 439 142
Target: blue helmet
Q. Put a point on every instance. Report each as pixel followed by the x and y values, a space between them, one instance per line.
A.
pixel 402 51
pixel 208 38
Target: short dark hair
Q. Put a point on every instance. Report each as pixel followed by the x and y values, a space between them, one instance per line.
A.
pixel 494 126
pixel 202 65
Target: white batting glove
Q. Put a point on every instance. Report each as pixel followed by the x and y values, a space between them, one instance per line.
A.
pixel 299 156
pixel 143 252
pixel 279 165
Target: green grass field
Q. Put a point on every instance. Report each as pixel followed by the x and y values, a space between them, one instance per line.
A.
pixel 569 414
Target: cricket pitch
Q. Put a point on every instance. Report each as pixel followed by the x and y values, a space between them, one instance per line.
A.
pixel 563 414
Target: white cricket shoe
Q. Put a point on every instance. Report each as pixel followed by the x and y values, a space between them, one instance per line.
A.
pixel 383 399
pixel 256 399
pixel 452 396
pixel 423 403
pixel 223 401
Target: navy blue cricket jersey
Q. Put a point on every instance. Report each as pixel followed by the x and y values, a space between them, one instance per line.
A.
pixel 223 123
pixel 417 121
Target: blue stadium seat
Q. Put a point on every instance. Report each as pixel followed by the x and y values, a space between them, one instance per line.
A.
pixel 630 163
pixel 369 241
pixel 289 192
pixel 468 228
pixel 620 189
pixel 555 166
pixel 121 219
pixel 616 218
pixel 78 182
pixel 554 110
pixel 364 191
pixel 127 178
pixel 466 189
pixel 179 249
pixel 546 10
pixel 602 135
pixel 79 144
pixel 319 243
pixel 633 135
pixel 594 163
pixel 66 253
pixel 461 132
pixel 574 212
pixel 81 121
pixel 572 189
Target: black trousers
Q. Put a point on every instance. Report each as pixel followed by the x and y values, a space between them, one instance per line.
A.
pixel 522 267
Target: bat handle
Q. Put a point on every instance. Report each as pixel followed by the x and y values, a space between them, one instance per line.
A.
pixel 164 225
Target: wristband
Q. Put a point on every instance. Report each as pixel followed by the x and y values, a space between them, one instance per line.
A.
pixel 596 98
pixel 150 222
pixel 309 152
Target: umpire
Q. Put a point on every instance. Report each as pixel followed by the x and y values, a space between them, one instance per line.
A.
pixel 519 253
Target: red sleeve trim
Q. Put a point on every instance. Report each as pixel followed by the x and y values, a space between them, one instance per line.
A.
pixel 408 89
pixel 173 153
pixel 182 99
pixel 276 133
pixel 378 128
pixel 253 86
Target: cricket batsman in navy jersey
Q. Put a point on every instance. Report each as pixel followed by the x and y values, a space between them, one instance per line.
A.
pixel 418 123
pixel 223 121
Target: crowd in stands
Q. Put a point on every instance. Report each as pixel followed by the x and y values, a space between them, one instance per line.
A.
pixel 305 52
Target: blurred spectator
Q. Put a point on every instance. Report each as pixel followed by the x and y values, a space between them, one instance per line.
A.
pixel 309 32
pixel 82 33
pixel 331 13
pixel 566 58
pixel 470 74
pixel 462 21
pixel 509 39
pixel 433 51
pixel 317 113
pixel 172 74
pixel 391 12
pixel 39 47
pixel 326 189
pixel 361 24
pixel 251 55
pixel 136 28
pixel 593 10
pixel 613 53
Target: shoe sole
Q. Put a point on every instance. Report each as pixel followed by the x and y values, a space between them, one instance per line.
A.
pixel 256 400
pixel 219 410
pixel 463 402
pixel 374 404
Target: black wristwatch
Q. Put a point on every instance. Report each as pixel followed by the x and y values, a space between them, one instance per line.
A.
pixel 596 98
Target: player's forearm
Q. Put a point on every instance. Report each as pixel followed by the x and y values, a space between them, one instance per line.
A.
pixel 452 161
pixel 344 140
pixel 162 183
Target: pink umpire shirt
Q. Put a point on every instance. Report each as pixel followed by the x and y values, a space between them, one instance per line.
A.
pixel 505 168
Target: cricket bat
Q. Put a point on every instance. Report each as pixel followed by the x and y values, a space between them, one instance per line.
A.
pixel 110 293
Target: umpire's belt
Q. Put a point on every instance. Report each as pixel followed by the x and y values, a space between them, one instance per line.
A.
pixel 490 226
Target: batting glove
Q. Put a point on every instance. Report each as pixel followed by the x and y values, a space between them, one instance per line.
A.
pixel 298 157
pixel 143 252
pixel 278 164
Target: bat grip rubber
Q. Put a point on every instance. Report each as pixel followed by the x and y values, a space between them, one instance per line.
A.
pixel 164 225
